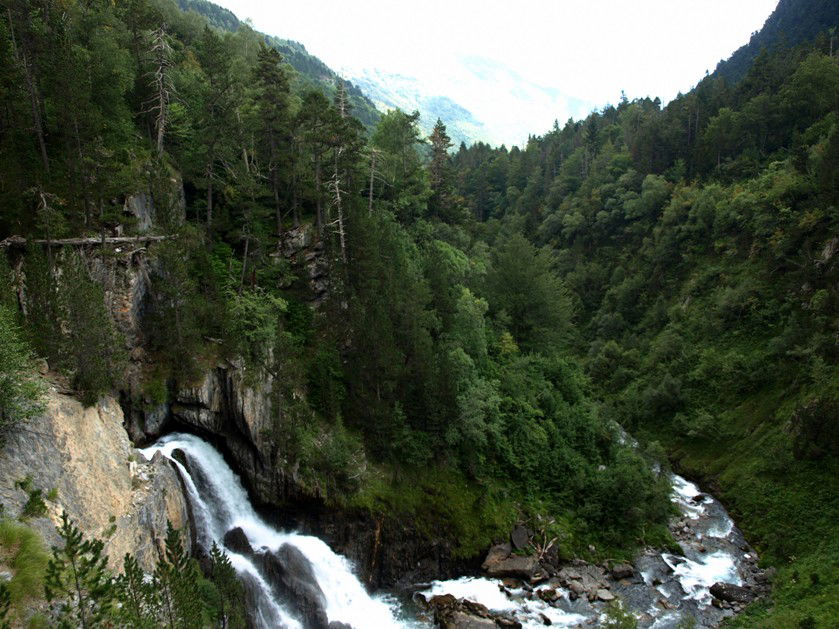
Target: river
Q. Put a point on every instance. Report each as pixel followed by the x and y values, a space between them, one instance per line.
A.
pixel 666 589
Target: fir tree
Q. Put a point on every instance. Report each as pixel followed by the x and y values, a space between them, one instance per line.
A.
pixel 177 581
pixel 138 597
pixel 229 612
pixel 77 581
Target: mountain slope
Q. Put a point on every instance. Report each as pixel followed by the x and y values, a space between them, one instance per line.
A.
pixel 389 91
pixel 791 23
pixel 312 72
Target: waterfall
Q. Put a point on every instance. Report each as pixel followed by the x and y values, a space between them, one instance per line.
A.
pixel 220 503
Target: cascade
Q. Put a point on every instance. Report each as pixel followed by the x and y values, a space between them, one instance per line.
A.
pixel 669 587
pixel 220 504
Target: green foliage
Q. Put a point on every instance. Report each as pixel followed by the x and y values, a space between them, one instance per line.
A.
pixel 92 348
pixel 77 580
pixel 34 507
pixel 229 601
pixel 619 618
pixel 22 550
pixel 176 578
pixel 21 394
pixel 139 597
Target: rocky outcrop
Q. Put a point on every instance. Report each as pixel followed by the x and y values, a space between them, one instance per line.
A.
pixel 167 206
pixel 83 462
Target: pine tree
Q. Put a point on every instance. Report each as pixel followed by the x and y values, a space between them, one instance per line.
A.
pixel 77 581
pixel 272 103
pixel 176 578
pixel 138 597
pixel 442 202
pixel 229 612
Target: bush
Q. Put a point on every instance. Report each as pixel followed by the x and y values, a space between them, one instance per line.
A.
pixel 21 394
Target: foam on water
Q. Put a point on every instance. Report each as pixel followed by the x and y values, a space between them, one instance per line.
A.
pixel 221 503
pixel 487 592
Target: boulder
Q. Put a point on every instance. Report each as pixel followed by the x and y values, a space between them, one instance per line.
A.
pixel 622 571
pixel 290 574
pixel 605 595
pixel 732 593
pixel 236 541
pixel 520 538
pixel 496 554
pixel 339 625
pixel 519 567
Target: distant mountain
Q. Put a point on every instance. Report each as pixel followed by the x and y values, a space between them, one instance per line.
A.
pixel 791 23
pixel 389 91
pixel 311 71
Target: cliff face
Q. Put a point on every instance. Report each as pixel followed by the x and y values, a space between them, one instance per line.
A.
pixel 83 458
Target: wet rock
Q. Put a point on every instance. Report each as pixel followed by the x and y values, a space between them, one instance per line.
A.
pixel 290 574
pixel 520 538
pixel 545 620
pixel 732 593
pixel 339 625
pixel 236 541
pixel 605 595
pixel 622 571
pixel 549 595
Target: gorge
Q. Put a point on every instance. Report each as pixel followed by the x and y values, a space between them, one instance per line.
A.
pixel 271 357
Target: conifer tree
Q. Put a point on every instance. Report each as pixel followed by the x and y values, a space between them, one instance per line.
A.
pixel 138 597
pixel 77 581
pixel 229 613
pixel 272 103
pixel 177 581
pixel 442 202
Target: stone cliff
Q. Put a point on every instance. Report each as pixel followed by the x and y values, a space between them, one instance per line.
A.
pixel 82 459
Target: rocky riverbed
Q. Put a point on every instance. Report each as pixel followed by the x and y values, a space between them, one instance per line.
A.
pixel 712 578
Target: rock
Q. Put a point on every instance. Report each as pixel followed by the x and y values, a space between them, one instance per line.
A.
pixel 605 595
pixel 622 571
pixel 461 620
pixel 339 625
pixel 511 583
pixel 505 621
pixel 545 620
pixel 732 593
pixel 290 574
pixel 496 554
pixel 236 541
pixel 520 537
pixel 520 567
pixel 549 595
pixel 576 587
pixel 102 482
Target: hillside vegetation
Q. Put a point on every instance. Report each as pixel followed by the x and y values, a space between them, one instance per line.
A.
pixel 699 244
pixel 490 315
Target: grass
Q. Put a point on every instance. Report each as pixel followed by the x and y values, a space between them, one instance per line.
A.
pixel 23 552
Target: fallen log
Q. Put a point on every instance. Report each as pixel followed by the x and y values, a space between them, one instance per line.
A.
pixel 18 241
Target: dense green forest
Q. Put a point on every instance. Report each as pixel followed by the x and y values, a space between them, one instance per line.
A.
pixel 698 243
pixel 435 353
pixel 492 314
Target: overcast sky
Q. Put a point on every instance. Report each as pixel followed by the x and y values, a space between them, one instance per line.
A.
pixel 520 64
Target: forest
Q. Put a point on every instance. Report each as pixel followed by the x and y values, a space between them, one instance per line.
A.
pixel 492 314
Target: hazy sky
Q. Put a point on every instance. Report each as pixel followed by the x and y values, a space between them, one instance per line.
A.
pixel 518 65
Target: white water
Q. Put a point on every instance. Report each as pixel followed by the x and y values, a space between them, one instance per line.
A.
pixel 222 504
